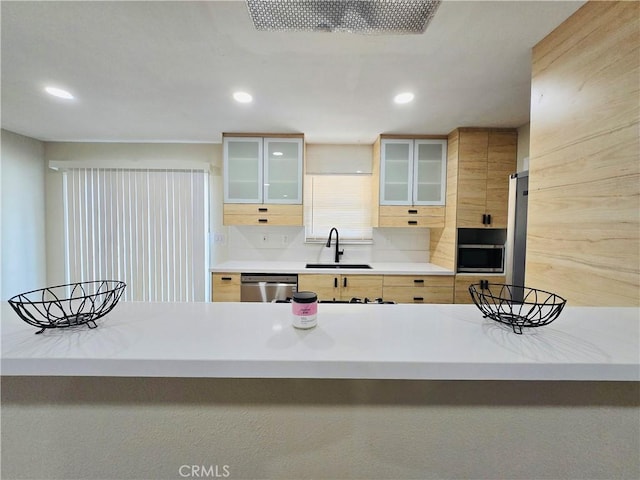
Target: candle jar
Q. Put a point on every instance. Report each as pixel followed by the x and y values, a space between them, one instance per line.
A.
pixel 304 307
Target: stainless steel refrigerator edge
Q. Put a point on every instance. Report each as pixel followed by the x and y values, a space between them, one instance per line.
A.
pixel 516 245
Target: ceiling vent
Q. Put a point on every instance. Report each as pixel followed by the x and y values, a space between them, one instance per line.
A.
pixel 373 17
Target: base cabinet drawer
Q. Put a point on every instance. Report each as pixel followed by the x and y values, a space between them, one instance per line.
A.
pixel 462 294
pixel 418 288
pixel 342 287
pixel 360 286
pixel 419 294
pixel 327 287
pixel 225 287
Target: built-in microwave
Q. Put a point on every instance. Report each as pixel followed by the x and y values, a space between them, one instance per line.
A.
pixel 481 258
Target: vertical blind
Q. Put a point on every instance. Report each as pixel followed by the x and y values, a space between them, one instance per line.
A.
pixel 144 227
pixel 341 201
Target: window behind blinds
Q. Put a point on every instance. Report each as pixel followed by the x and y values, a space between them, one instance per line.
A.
pixel 144 227
pixel 341 201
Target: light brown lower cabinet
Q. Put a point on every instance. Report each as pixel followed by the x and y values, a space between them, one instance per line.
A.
pixel 341 287
pixel 463 281
pixel 418 288
pixel 225 287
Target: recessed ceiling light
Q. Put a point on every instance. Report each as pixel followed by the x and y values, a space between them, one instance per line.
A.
pixel 277 154
pixel 405 97
pixel 58 92
pixel 242 97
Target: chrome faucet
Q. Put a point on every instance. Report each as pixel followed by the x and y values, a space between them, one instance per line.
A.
pixel 338 252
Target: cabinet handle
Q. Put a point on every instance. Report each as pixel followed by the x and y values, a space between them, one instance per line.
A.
pixel 335 282
pixel 484 284
pixel 418 280
pixel 263 220
pixel 225 278
pixel 412 212
pixel 344 282
pixel 484 218
pixel 489 219
pixel 418 299
pixel 412 222
pixel 263 209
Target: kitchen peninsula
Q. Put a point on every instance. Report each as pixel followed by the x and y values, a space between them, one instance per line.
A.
pixel 189 384
pixel 256 340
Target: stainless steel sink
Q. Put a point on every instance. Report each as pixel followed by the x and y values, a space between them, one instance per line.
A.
pixel 337 265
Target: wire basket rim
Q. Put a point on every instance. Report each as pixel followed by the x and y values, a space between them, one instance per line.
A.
pixel 83 305
pixel 118 284
pixel 510 286
pixel 514 311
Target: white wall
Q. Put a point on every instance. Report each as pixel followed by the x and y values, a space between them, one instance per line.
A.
pixel 135 428
pixel 226 243
pixel 389 245
pixel 23 215
pixel 129 155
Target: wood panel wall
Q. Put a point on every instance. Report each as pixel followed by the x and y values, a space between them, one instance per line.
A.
pixel 442 241
pixel 584 182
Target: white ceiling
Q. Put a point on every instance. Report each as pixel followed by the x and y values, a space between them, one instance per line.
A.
pixel 153 71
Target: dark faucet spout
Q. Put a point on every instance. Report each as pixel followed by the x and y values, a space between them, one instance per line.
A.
pixel 338 251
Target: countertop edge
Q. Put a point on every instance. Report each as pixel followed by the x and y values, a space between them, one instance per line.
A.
pixel 298 268
pixel 316 370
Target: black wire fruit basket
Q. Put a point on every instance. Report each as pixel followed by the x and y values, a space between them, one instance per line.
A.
pixel 68 305
pixel 516 306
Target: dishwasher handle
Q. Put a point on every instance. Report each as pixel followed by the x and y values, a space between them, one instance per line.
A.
pixel 269 278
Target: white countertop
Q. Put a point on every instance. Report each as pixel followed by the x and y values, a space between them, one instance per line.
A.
pixel 249 340
pixel 297 267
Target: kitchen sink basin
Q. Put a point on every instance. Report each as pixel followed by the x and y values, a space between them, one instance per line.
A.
pixel 337 265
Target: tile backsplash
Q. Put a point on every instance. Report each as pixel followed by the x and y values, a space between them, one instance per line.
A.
pixel 287 243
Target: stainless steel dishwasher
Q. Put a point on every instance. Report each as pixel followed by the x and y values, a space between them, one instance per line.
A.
pixel 267 287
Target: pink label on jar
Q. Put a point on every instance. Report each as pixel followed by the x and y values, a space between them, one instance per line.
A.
pixel 305 309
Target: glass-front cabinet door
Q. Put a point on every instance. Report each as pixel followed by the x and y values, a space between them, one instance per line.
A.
pixel 413 172
pixel 283 170
pixel 429 172
pixel 243 175
pixel 396 172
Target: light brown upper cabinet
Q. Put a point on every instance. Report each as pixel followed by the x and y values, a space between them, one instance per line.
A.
pixel 262 179
pixel 486 158
pixel 409 181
